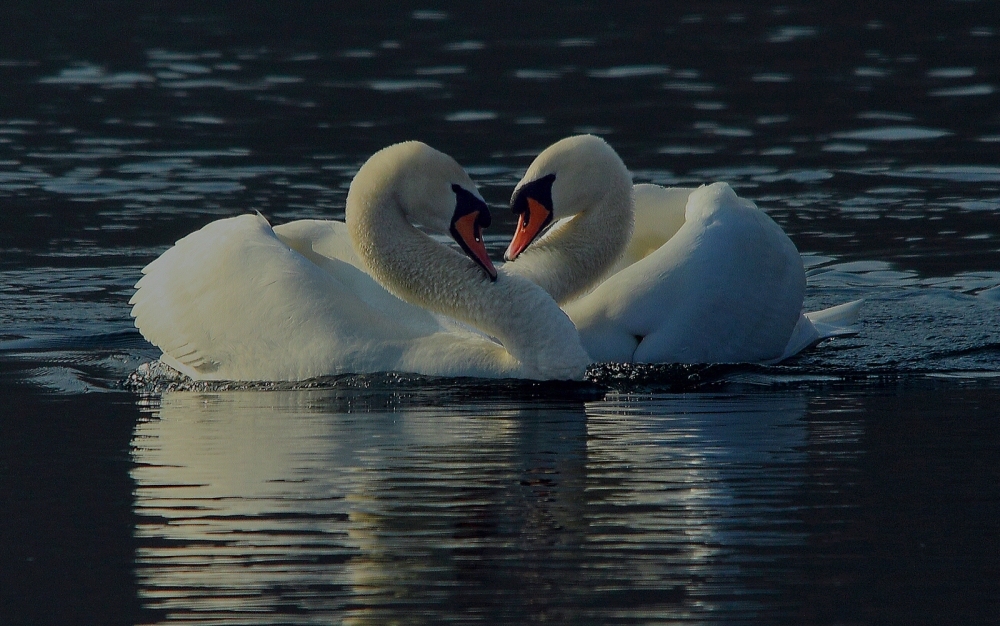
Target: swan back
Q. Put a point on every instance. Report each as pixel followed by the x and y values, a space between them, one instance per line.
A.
pixel 659 214
pixel 728 287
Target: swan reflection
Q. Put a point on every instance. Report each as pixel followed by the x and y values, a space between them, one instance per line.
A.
pixel 376 508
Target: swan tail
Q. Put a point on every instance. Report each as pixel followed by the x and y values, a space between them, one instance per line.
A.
pixel 814 327
pixel 176 296
pixel 840 316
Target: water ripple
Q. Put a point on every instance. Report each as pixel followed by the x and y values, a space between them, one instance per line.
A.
pixel 95 75
pixel 629 71
pixel 960 92
pixel 893 133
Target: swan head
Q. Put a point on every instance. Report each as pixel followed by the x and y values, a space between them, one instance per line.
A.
pixel 433 191
pixel 471 215
pixel 566 178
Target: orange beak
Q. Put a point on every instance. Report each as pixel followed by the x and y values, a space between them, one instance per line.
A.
pixel 529 225
pixel 468 233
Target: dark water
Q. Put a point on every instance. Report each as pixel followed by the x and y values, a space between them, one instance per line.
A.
pixel 856 484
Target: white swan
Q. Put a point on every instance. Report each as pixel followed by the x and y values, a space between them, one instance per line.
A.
pixel 238 300
pixel 706 278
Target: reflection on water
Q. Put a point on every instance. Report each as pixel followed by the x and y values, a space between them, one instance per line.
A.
pixel 854 504
pixel 253 504
pixel 765 495
pixel 823 504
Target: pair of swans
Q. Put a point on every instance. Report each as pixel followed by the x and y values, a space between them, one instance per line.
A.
pixel 240 300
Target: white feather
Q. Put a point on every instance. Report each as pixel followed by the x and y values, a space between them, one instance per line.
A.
pixel 705 277
pixel 238 300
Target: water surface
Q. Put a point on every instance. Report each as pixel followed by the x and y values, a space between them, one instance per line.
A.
pixel 856 483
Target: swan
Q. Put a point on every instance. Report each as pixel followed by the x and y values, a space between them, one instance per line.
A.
pixel 661 275
pixel 240 300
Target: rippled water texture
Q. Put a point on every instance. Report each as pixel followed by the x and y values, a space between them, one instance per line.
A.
pixel 857 483
pixel 386 504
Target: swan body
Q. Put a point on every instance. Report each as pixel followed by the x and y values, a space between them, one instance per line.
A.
pixel 680 276
pixel 240 300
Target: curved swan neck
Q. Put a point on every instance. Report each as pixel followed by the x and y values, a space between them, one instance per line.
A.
pixel 541 341
pixel 576 253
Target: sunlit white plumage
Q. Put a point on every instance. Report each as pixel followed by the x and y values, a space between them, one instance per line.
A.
pixel 704 277
pixel 238 300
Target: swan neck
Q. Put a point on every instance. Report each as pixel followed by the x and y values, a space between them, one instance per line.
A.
pixel 573 257
pixel 537 335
